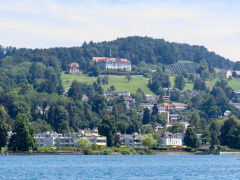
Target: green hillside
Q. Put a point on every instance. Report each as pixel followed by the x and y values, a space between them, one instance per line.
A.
pixel 120 83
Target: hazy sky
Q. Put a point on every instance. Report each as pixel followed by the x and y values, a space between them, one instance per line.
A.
pixel 54 23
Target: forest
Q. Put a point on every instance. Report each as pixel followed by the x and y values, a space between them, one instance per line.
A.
pixel 31 90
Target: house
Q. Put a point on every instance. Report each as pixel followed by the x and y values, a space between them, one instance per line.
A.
pixel 146 105
pixel 237 91
pixel 158 127
pixel 170 139
pixel 73 67
pixel 236 105
pixel 166 98
pixel 237 73
pixel 162 109
pixel 179 106
pixel 225 73
pixel 174 117
pixel 112 63
pixel 192 92
pixel 130 100
pixel 84 98
pixel 122 93
pixel 107 93
pixel 185 124
pixel 130 139
pixel 149 97
pixel 227 113
pixel 70 139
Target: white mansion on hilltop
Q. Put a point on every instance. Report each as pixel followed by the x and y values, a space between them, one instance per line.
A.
pixel 112 63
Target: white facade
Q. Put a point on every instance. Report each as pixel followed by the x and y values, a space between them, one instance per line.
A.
pixel 170 139
pixel 113 63
pixel 122 93
pixel 55 139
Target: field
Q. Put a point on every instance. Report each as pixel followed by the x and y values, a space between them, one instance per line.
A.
pixel 138 81
pixel 234 83
pixel 119 82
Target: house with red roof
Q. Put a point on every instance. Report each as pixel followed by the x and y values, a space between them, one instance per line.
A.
pixel 73 67
pixel 112 63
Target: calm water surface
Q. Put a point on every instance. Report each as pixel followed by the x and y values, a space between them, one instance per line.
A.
pixel 119 167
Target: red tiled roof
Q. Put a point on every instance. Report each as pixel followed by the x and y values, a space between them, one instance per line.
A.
pixel 73 64
pixel 237 72
pixel 106 59
pixel 84 97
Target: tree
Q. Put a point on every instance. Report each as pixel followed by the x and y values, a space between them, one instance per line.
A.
pixel 24 139
pixel 128 77
pixel 225 129
pixel 176 128
pixel 191 77
pixel 179 82
pixel 214 132
pixel 75 91
pixel 99 80
pixel 175 95
pixel 233 138
pixel 236 66
pixel 191 138
pixel 84 143
pixel 155 109
pixel 4 128
pixel 105 80
pixel 112 88
pixel 146 116
pixel 148 140
pixel 107 128
pixel 98 103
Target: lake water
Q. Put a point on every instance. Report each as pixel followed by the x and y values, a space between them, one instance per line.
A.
pixel 119 167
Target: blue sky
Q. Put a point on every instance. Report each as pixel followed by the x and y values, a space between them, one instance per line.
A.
pixel 59 23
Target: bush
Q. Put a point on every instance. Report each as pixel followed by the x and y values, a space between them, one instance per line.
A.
pixel 147 152
pixel 125 152
pixel 106 152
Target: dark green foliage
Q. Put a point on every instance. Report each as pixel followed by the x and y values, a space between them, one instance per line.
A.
pixel 105 80
pixel 199 85
pixel 107 128
pixel 4 127
pixel 214 133
pixel 155 110
pixel 75 91
pixel 175 95
pixel 176 128
pixel 179 82
pixel 146 116
pixel 236 66
pixel 191 138
pixel 23 140
pixel 233 137
pixel 225 129
pixel 98 103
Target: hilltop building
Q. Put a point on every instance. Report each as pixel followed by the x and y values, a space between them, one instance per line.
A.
pixel 73 67
pixel 112 63
pixel 225 73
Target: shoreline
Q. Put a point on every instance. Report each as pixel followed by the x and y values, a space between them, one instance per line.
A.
pixel 158 153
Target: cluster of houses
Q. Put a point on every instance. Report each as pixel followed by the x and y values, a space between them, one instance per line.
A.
pixel 104 63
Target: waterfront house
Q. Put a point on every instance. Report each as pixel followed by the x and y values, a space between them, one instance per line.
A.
pixel 170 139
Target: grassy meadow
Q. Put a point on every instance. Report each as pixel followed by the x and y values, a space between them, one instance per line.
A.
pixel 138 81
pixel 120 83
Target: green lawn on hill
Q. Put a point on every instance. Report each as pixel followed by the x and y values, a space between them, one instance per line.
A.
pixel 120 83
pixel 234 83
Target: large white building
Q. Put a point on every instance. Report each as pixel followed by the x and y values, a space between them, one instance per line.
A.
pixel 170 139
pixel 112 63
pixel 56 139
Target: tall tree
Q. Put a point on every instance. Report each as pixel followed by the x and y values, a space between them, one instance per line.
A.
pixel 191 138
pixel 4 128
pixel 146 116
pixel 75 91
pixel 24 139
pixel 155 109
pixel 179 82
pixel 98 103
pixel 225 129
pixel 128 77
pixel 107 128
